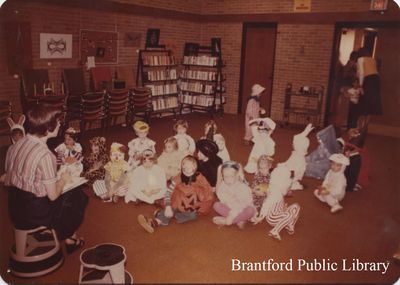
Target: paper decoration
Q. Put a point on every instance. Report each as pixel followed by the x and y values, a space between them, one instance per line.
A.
pixel 55 45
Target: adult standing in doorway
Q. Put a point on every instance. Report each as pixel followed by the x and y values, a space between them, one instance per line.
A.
pixel 370 100
pixel 35 196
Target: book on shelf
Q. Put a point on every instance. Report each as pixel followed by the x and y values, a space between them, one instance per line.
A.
pixel 200 100
pixel 157 75
pixel 196 87
pixel 165 103
pixel 198 75
pixel 204 60
pixel 158 60
pixel 164 89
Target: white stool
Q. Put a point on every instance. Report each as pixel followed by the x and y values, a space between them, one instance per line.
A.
pixel 35 254
pixel 104 263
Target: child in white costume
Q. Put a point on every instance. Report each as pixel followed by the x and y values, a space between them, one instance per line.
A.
pixel 274 209
pixel 186 143
pixel 235 204
pixel 147 182
pixel 333 188
pixel 210 132
pixel 114 184
pixel 69 154
pixel 139 144
pixel 171 158
pixel 253 110
pixel 263 143
pixel 297 160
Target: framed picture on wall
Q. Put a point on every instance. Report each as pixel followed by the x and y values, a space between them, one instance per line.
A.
pixel 152 37
pixel 55 45
pixel 101 45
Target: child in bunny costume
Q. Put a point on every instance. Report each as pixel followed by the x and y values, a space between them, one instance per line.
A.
pixel 278 214
pixel 263 143
pixel 17 130
pixel 333 189
pixel 297 160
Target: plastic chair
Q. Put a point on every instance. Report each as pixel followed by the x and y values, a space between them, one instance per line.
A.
pixel 34 253
pixel 140 103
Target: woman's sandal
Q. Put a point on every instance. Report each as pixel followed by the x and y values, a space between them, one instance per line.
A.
pixel 78 243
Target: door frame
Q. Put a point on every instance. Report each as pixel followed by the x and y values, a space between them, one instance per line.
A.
pixel 335 53
pixel 247 25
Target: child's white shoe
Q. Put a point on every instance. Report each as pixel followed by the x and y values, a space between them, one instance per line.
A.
pixel 220 221
pixel 241 225
pixel 275 235
pixel 296 186
pixel 336 208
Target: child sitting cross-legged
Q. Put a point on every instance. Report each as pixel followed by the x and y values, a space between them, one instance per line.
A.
pixel 189 195
pixel 69 154
pixel 147 182
pixel 139 144
pixel 93 164
pixel 333 188
pixel 171 158
pixel 235 204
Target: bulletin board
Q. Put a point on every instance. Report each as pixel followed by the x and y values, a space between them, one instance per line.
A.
pixel 102 45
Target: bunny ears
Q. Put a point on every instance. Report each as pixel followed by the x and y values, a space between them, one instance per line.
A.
pixel 17 125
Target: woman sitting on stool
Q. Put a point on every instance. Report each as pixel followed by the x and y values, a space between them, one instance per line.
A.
pixel 35 196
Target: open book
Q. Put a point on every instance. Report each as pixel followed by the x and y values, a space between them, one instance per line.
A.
pixel 76 181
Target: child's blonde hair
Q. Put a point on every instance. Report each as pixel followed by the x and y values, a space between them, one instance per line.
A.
pixel 173 141
pixel 264 159
pixel 182 123
pixel 190 158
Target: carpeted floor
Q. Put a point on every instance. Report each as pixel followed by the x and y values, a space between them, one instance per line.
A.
pixel 367 229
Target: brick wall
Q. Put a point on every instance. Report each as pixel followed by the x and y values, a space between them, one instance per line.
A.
pixel 55 19
pixel 279 6
pixel 291 64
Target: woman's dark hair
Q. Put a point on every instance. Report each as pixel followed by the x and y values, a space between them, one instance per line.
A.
pixel 363 52
pixel 41 119
pixel 354 55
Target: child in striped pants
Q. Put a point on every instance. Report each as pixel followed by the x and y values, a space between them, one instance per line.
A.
pixel 274 210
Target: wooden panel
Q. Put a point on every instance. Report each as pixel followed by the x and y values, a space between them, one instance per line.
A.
pixel 258 63
pixel 17 36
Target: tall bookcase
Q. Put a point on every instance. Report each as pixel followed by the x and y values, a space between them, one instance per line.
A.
pixel 201 81
pixel 157 70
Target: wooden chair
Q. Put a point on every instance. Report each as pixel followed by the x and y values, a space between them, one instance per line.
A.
pixel 117 102
pixel 101 78
pixel 140 104
pixel 5 112
pixel 126 73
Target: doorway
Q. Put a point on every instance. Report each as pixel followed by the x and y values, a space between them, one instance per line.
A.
pixel 383 41
pixel 257 62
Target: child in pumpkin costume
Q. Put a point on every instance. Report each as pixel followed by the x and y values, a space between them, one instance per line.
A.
pixel 188 196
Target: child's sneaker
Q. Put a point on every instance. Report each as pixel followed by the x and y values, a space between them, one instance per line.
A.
pixel 357 187
pixel 147 224
pixel 274 235
pixel 220 221
pixel 336 208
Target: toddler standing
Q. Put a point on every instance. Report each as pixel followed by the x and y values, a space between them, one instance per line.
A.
pixel 253 110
